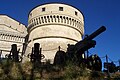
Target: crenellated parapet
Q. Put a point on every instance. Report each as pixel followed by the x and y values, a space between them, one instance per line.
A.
pixel 56 19
pixel 12 38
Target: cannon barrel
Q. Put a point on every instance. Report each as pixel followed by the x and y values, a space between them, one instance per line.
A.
pixel 90 37
pixel 96 33
pixel 87 42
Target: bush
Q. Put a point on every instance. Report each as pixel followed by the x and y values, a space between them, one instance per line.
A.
pixel 75 72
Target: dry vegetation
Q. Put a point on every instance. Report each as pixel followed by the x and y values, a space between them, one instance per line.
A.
pixel 20 71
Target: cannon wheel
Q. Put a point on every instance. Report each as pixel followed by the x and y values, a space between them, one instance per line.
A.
pixel 94 63
pixel 60 58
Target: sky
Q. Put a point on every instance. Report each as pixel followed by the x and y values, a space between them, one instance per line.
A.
pixel 97 13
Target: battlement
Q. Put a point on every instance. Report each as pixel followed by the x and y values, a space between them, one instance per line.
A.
pixel 56 19
pixel 11 38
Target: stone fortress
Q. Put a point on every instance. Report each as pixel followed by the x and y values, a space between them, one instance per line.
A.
pixel 52 25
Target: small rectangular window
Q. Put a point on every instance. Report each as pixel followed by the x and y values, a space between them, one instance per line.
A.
pixel 60 8
pixel 76 13
pixel 43 9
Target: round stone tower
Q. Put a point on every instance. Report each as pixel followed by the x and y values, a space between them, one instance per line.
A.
pixel 53 25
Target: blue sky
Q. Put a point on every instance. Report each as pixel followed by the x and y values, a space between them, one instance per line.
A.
pixel 96 12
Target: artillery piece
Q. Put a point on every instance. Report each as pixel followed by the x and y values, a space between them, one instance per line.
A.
pixel 14 53
pixel 74 52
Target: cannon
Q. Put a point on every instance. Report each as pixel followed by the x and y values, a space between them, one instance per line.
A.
pixel 36 55
pixel 87 42
pixel 14 53
pixel 75 52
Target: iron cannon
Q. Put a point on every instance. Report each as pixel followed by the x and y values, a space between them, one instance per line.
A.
pixel 75 52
